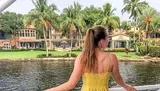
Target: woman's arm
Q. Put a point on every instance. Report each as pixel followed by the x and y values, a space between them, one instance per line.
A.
pixel 73 80
pixel 116 75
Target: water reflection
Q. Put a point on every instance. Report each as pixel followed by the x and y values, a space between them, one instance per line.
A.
pixel 40 75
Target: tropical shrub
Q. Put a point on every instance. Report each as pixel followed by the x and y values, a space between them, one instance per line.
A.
pixel 57 55
pixel 143 50
pixel 154 51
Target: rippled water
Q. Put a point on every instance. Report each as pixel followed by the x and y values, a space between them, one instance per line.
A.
pixel 40 75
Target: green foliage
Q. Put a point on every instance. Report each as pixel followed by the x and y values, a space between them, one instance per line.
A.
pixel 57 55
pixel 134 7
pixel 143 50
pixel 108 18
pixel 92 14
pixel 72 55
pixel 125 25
pixel 147 21
pixel 154 51
pixel 77 49
pixel 138 44
pixel 44 55
pixel 72 20
pixel 11 22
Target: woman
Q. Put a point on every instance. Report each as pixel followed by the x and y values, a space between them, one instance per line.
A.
pixel 94 65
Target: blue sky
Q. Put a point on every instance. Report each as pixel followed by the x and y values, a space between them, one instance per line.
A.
pixel 24 6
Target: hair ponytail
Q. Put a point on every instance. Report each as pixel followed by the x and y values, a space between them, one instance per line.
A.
pixel 88 58
pixel 92 38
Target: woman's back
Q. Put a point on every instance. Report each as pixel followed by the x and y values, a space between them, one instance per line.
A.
pixel 94 65
pixel 98 79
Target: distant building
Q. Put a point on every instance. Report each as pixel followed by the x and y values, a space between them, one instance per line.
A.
pixel 60 41
pixel 4 42
pixel 119 41
pixel 26 38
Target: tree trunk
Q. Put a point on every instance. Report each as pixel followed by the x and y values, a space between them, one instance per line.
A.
pixel 148 35
pixel 71 38
pixel 134 36
pixel 80 39
pixel 154 34
pixel 45 40
pixel 134 31
pixel 139 36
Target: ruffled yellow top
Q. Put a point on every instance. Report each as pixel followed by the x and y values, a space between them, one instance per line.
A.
pixel 95 81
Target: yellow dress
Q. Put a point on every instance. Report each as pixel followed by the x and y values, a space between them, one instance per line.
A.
pixel 95 81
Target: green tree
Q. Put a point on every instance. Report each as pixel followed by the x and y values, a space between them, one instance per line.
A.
pixel 156 23
pixel 92 14
pixel 146 20
pixel 134 7
pixel 125 25
pixel 72 21
pixel 41 17
pixel 108 19
pixel 11 22
pixel 81 24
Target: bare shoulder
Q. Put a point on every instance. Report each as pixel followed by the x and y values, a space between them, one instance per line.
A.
pixel 78 58
pixel 113 57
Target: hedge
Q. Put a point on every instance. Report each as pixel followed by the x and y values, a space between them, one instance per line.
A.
pixel 153 51
pixel 61 55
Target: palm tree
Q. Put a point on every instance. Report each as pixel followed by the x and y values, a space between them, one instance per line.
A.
pixel 146 20
pixel 53 21
pixel 92 14
pixel 125 25
pixel 134 7
pixel 156 23
pixel 108 19
pixel 68 23
pixel 72 20
pixel 40 17
pixel 79 17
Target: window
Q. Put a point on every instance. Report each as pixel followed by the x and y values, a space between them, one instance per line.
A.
pixel 7 46
pixel 33 33
pixel 22 33
pixel 28 33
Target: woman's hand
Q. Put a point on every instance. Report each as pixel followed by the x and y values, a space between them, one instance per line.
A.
pixel 129 88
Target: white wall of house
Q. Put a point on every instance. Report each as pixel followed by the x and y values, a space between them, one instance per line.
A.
pixel 119 41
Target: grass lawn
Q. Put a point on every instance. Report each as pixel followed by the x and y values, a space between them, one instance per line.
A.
pixel 123 54
pixel 26 54
pixel 33 54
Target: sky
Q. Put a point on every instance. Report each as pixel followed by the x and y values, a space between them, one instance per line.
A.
pixel 24 6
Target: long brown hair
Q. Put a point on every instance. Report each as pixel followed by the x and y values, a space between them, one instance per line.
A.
pixel 92 38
